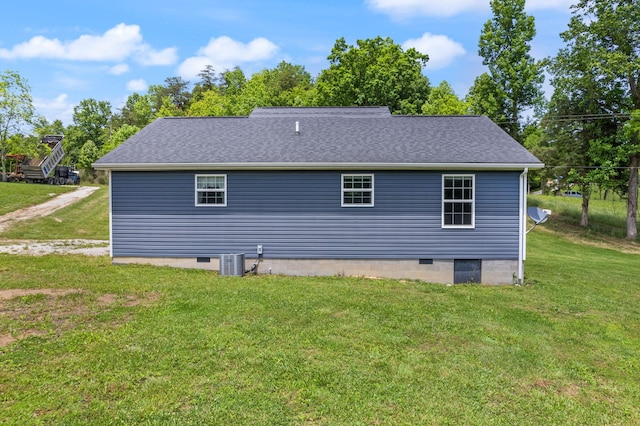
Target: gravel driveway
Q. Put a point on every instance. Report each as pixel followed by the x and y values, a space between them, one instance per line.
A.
pixel 38 248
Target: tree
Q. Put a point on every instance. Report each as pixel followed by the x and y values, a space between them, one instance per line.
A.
pixel 137 111
pixel 374 72
pixel 210 103
pixel 92 119
pixel 581 123
pixel 176 91
pixel 485 98
pixel 504 46
pixel 42 127
pixel 232 82
pixel 89 153
pixel 30 144
pixel 208 81
pixel 122 134
pixel 16 110
pixel 607 34
pixel 91 122
pixel 284 85
pixel 580 143
pixel 168 109
pixel 289 85
pixel 443 101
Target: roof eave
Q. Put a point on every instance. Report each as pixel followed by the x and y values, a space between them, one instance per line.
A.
pixel 314 166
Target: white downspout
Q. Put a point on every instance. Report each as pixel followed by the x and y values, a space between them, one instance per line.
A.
pixel 522 234
pixel 110 177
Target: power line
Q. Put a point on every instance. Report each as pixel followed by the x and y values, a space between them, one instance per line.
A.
pixel 577 117
pixel 547 166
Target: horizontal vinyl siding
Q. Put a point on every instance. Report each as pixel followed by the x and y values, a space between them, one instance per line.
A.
pixel 298 215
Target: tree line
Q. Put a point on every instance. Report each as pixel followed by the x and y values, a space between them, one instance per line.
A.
pixel 587 131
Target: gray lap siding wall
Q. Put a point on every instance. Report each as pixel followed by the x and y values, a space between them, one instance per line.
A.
pixel 298 215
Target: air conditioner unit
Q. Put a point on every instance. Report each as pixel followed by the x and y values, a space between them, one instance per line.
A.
pixel 232 264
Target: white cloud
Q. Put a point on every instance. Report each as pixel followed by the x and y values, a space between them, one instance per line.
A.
pixel 138 85
pixel 119 69
pixel 562 5
pixel 404 9
pixel 441 49
pixel 168 56
pixel 59 108
pixel 116 44
pixel 225 53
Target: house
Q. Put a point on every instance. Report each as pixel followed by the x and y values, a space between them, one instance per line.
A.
pixel 324 191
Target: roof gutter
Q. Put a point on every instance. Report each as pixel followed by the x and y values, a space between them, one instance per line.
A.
pixel 313 166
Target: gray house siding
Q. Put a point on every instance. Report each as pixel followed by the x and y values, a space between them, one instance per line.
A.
pixel 298 215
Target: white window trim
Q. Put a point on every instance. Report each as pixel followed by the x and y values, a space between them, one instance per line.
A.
pixel 197 191
pixel 473 201
pixel 342 203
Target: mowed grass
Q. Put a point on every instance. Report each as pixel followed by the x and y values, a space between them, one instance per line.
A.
pixel 607 218
pixel 86 219
pixel 204 349
pixel 149 345
pixel 14 196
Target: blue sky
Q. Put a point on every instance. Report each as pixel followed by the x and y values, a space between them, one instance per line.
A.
pixel 70 50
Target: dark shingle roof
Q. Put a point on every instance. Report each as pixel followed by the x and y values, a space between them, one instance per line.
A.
pixel 330 136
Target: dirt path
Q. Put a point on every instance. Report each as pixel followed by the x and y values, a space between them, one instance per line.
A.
pixel 39 248
pixel 46 208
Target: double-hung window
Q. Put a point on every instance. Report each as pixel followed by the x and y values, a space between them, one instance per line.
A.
pixel 458 201
pixel 211 190
pixel 357 190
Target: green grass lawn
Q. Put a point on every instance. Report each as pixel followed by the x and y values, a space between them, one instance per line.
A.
pixel 85 219
pixel 150 345
pixel 606 217
pixel 14 196
pixel 190 347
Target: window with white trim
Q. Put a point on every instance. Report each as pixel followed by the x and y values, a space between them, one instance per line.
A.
pixel 458 201
pixel 211 190
pixel 357 190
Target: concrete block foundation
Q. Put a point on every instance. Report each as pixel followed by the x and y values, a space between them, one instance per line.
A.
pixel 494 272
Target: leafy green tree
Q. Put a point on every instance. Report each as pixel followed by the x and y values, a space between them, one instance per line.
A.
pixel 581 123
pixel 232 82
pixel 89 153
pixel 137 111
pixel 122 134
pixel 210 103
pixel 255 93
pixel 443 101
pixel 176 90
pixel 289 85
pixel 504 46
pixel 16 110
pixel 605 34
pixel 374 72
pixel 485 98
pixel 168 109
pixel 284 85
pixel 578 141
pixel 92 118
pixel 42 127
pixel 30 144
